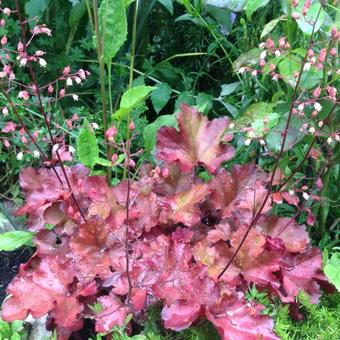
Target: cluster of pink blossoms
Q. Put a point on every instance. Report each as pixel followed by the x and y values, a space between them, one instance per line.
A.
pixel 20 58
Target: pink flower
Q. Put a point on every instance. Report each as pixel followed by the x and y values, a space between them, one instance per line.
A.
pixel 2 22
pixel 9 127
pixel 295 16
pixel 42 29
pixel 295 3
pixel 270 43
pixel 4 40
pixel 333 52
pixel 23 95
pixel 39 53
pixel 6 143
pixel 7 11
pixel 110 133
pixel 114 159
pixel 282 42
pixel 66 70
pixel 62 93
pixel 322 55
pixel 317 92
pixel 332 92
pixel 5 111
pixel 20 47
pixel 132 125
pixel 50 89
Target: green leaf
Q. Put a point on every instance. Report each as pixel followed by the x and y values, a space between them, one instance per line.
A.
pixel 103 162
pixel 233 5
pixel 270 26
pixel 204 102
pixel 254 5
pixel 113 27
pixel 229 88
pixel 135 96
pixel 15 239
pixel 254 116
pixel 76 13
pixel 222 16
pixel 291 64
pixel 160 96
pixel 36 8
pixel 246 59
pixel 306 22
pixel 332 270
pixel 294 135
pixel 168 5
pixel 150 131
pixel 87 146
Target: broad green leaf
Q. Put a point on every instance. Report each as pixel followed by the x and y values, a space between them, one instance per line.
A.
pixel 254 116
pixel 87 146
pixel 168 4
pixel 291 64
pixel 150 131
pixel 306 22
pixel 231 108
pixel 103 162
pixel 222 16
pixel 294 135
pixel 204 102
pixel 113 27
pixel 160 96
pixel 134 96
pixel 229 88
pixel 121 114
pixel 254 5
pixel 15 239
pixel 36 8
pixel 184 97
pixel 246 59
pixel 76 13
pixel 332 270
pixel 233 5
pixel 270 26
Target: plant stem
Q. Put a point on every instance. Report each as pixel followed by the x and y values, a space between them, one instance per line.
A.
pixel 284 137
pixel 102 78
pixel 128 156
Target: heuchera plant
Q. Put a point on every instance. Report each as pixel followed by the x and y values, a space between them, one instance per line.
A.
pixel 182 232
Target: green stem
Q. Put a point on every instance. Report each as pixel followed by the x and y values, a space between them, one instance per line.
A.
pixel 102 77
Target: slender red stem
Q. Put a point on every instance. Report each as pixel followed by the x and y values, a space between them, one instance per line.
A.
pixel 42 110
pixel 284 137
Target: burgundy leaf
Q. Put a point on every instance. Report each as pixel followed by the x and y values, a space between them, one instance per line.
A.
pixel 197 141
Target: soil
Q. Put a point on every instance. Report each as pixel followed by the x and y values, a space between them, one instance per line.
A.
pixel 9 266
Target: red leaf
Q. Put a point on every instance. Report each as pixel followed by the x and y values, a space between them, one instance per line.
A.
pixel 295 237
pixel 299 273
pixel 113 313
pixel 234 319
pixel 180 315
pixel 197 141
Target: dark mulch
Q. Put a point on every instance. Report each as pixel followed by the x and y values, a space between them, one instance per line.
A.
pixel 9 265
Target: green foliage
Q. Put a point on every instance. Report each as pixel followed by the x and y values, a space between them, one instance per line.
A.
pixel 321 322
pixel 150 131
pixel 160 96
pixel 88 149
pixel 35 8
pixel 12 331
pixel 113 27
pixel 12 240
pixel 332 268
pixel 87 146
pixel 254 5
